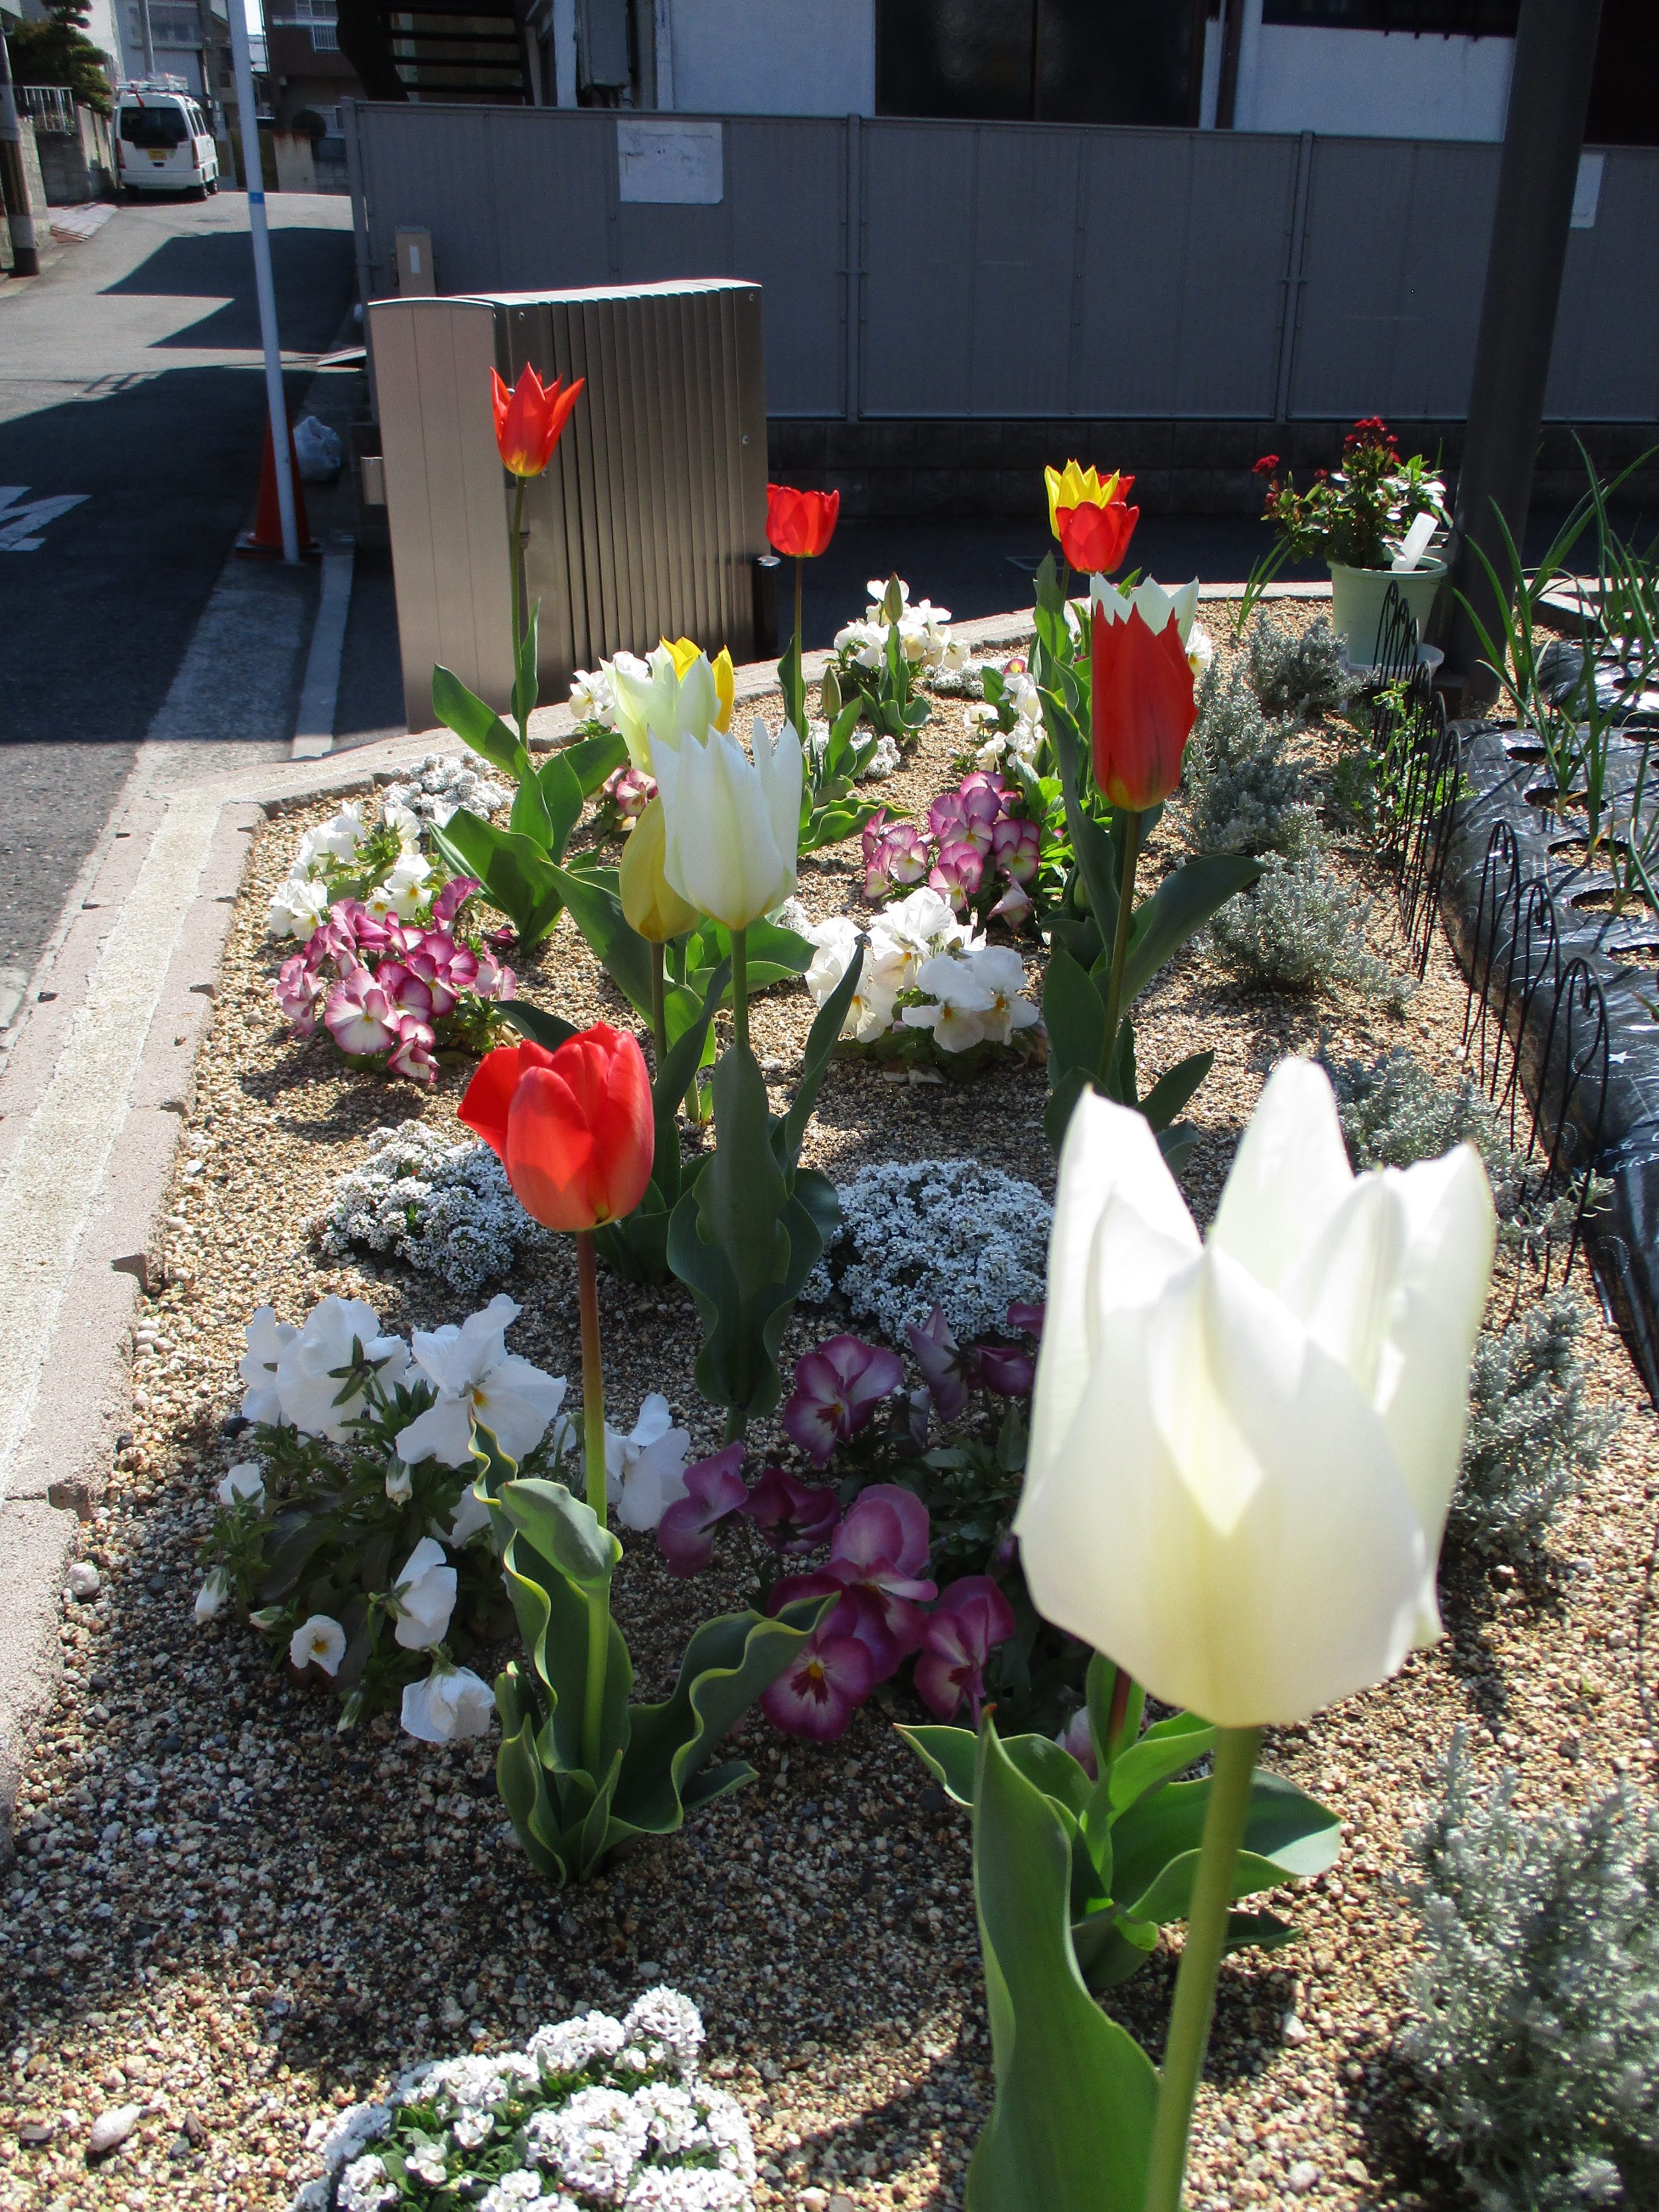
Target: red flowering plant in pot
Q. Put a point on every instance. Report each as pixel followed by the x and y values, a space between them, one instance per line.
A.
pixel 582 1769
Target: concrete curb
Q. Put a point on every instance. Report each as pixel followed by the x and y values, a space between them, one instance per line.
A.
pixel 97 1078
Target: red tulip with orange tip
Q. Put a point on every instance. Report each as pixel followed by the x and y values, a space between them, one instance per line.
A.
pixel 800 523
pixel 1095 538
pixel 1142 710
pixel 573 1127
pixel 529 418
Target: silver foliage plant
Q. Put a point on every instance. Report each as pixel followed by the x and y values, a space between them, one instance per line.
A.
pixel 1536 2040
pixel 917 1233
pixel 443 1208
pixel 1243 792
pixel 1302 674
pixel 1301 930
pixel 1533 1434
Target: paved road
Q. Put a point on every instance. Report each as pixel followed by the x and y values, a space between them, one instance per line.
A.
pixel 129 373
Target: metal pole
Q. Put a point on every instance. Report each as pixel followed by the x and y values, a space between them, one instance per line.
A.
pixel 148 33
pixel 1543 137
pixel 13 191
pixel 242 63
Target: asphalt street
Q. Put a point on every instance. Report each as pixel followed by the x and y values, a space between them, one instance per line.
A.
pixel 130 377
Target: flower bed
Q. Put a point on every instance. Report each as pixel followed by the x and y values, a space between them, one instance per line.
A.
pixel 243 1924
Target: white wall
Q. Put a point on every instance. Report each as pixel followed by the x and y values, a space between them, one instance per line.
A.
pixel 767 57
pixel 1371 84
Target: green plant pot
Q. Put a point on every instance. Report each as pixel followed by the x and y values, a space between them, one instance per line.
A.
pixel 1357 597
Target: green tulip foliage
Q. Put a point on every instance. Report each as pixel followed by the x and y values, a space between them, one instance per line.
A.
pixel 653 1763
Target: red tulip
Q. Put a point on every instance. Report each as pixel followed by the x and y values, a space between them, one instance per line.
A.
pixel 573 1127
pixel 1095 538
pixel 528 420
pixel 801 522
pixel 1143 709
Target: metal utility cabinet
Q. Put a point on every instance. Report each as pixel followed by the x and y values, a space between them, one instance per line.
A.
pixel 647 522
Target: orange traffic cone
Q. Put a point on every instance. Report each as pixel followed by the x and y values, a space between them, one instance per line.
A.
pixel 265 541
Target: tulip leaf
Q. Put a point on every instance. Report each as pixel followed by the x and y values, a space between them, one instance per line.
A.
pixel 1262 1931
pixel 821 1039
pixel 1092 846
pixel 526 680
pixel 477 724
pixel 542 1027
pixel 1166 1749
pixel 591 760
pixel 521 1779
pixel 1110 1947
pixel 596 908
pixel 529 816
pixel 517 877
pixel 1074 1015
pixel 1175 1145
pixel 561 799
pixel 680 1064
pixel 1181 905
pixel 1071 2123
pixel 1174 1088
pixel 564 1530
pixel 793 684
pixel 1287 1835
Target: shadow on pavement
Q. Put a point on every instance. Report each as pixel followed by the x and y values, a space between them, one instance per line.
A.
pixel 314 279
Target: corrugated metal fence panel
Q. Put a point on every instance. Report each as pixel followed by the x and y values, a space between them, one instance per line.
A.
pixel 785 186
pixel 1605 367
pixel 1392 263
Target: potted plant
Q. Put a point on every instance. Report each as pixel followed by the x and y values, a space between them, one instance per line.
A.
pixel 1360 518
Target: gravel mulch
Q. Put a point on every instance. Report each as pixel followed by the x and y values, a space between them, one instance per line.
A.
pixel 230 1918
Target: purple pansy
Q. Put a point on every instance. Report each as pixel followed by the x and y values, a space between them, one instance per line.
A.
pixel 837 1390
pixel 970 1619
pixel 792 1516
pixel 714 1490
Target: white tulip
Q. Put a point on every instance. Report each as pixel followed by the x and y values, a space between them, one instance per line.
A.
pixel 425 1591
pixel 245 1484
pixel 313 1363
pixel 732 824
pixel 1159 608
pixel 657 702
pixel 319 1642
pixel 645 1470
pixel 1243 1452
pixel 447 1706
pixel 478 1379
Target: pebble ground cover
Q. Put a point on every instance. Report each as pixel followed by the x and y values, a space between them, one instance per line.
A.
pixel 227 1917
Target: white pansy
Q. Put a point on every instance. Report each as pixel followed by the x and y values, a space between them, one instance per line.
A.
pixel 447 1706
pixel 471 1513
pixel 864 642
pixel 267 1340
pixel 337 839
pixel 1243 1452
pixel 298 906
pixel 870 1010
pixel 1158 608
pixel 1002 972
pixel 406 825
pixel 592 697
pixel 319 1642
pixel 210 1599
pixel 478 1379
pixel 959 1003
pixel 645 1470
pixel 243 1484
pixel 426 1592
pixel 406 891
pixel 313 1363
pixel 1200 649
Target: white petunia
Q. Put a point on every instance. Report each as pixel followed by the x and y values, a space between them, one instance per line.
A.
pixel 961 1003
pixel 297 906
pixel 1002 972
pixel 477 1379
pixel 645 1470
pixel 447 1706
pixel 245 1484
pixel 426 1592
pixel 267 1340
pixel 211 1598
pixel 319 1642
pixel 314 1385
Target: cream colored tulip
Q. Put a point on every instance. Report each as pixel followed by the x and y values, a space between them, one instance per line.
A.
pixel 1243 1452
pixel 684 695
pixel 732 824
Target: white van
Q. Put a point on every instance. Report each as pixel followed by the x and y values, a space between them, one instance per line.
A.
pixel 163 143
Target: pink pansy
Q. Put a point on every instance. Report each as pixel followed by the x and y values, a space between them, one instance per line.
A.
pixel 452 897
pixel 1078 1738
pixel 1014 907
pixel 714 1492
pixel 405 989
pixel 821 1688
pixel 792 1516
pixel 837 1389
pixel 506 984
pixel 947 817
pixel 1028 1317
pixel 360 931
pixel 889 1628
pixel 361 1014
pixel 298 988
pixel 448 969
pixel 946 1368
pixel 984 805
pixel 1017 848
pixel 1005 1369
pixel 970 1619
pixel 880 1554
pixel 412 1054
pixel 899 855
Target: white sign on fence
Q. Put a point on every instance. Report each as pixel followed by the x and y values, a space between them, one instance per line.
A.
pixel 670 164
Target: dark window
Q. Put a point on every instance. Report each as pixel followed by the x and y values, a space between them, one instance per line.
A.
pixel 1470 19
pixel 1056 61
pixel 156 128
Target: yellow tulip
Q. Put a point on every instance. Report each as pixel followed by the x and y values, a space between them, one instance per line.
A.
pixel 684 654
pixel 1076 486
pixel 649 901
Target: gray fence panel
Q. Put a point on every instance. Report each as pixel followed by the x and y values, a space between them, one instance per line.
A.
pixel 917 190
pixel 1605 367
pixel 1394 260
pixel 785 184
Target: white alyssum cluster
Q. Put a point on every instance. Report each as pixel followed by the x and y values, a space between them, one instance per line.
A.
pixel 971 990
pixel 917 1233
pixel 445 1209
pixel 925 638
pixel 442 782
pixel 884 759
pixel 605 2114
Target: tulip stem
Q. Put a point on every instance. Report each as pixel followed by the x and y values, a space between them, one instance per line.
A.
pixel 518 584
pixel 800 642
pixel 1126 904
pixel 1225 1822
pixel 659 1015
pixel 599 1600
pixel 740 989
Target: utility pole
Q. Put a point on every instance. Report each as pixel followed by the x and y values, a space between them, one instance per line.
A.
pixel 1543 138
pixel 25 256
pixel 280 453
